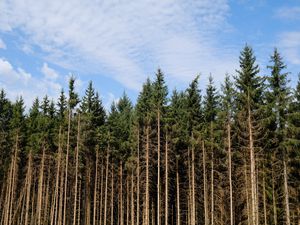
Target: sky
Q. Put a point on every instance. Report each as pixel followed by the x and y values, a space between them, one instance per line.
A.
pixel 119 43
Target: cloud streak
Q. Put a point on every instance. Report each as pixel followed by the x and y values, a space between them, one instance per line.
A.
pixel 125 40
pixel 18 82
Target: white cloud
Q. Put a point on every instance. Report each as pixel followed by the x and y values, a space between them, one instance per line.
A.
pixel 290 44
pixel 288 13
pixel 17 82
pixel 124 39
pixel 2 44
pixel 48 72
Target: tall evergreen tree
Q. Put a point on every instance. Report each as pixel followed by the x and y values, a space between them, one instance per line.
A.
pixel 250 88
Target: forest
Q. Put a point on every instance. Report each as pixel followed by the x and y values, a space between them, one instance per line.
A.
pixel 224 155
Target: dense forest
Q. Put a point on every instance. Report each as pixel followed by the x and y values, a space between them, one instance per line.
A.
pixel 218 156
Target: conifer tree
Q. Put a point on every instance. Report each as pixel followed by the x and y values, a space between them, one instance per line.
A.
pixel 249 100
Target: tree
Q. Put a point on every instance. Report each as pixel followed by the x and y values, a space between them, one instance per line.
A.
pixel 249 99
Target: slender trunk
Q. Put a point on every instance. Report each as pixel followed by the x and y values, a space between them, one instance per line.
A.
pixel 166 181
pixel 132 199
pixel 106 186
pixel 212 190
pixel 247 194
pixel 54 210
pixel 193 185
pixel 252 170
pixel 76 172
pixel 61 197
pixel 205 186
pixel 101 191
pixel 88 197
pixel 121 194
pixel 46 199
pixel 230 170
pixel 286 194
pixel 177 192
pixel 40 190
pixel 127 200
pixel 28 189
pixel 95 188
pixel 274 198
pixel 138 182
pixel 147 176
pixel 66 169
pixel 112 196
pixel 264 197
pixel 158 167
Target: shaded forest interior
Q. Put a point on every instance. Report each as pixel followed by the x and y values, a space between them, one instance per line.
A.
pixel 229 157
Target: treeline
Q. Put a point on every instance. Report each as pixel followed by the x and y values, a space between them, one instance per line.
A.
pixel 229 157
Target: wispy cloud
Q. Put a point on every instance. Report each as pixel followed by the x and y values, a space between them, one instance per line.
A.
pixel 288 13
pixel 290 43
pixel 18 82
pixel 48 72
pixel 125 40
pixel 2 44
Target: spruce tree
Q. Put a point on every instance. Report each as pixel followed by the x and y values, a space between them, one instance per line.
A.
pixel 250 88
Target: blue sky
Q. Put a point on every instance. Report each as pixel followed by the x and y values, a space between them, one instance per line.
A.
pixel 119 43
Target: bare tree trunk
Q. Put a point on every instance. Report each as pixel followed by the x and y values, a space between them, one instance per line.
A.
pixel 66 170
pixel 101 191
pixel 138 182
pixel 54 207
pixel 106 187
pixel 158 167
pixel 147 176
pixel 274 198
pixel 40 190
pixel 252 169
pixel 132 199
pixel 177 192
pixel 95 188
pixel 264 197
pixel 212 175
pixel 46 199
pixel 127 200
pixel 28 187
pixel 205 185
pixel 61 197
pixel 286 194
pixel 76 172
pixel 247 194
pixel 112 196
pixel 230 170
pixel 166 181
pixel 121 194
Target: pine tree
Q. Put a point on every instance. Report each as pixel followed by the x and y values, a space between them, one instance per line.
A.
pixel 249 99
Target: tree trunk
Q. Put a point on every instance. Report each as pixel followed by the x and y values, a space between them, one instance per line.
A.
pixel 95 188
pixel 158 167
pixel 286 194
pixel 28 187
pixel 112 196
pixel 66 169
pixel 138 182
pixel 76 173
pixel 40 189
pixel 230 170
pixel 132 199
pixel 177 192
pixel 121 193
pixel 106 186
pixel 166 181
pixel 205 185
pixel 274 198
pixel 252 170
pixel 147 176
